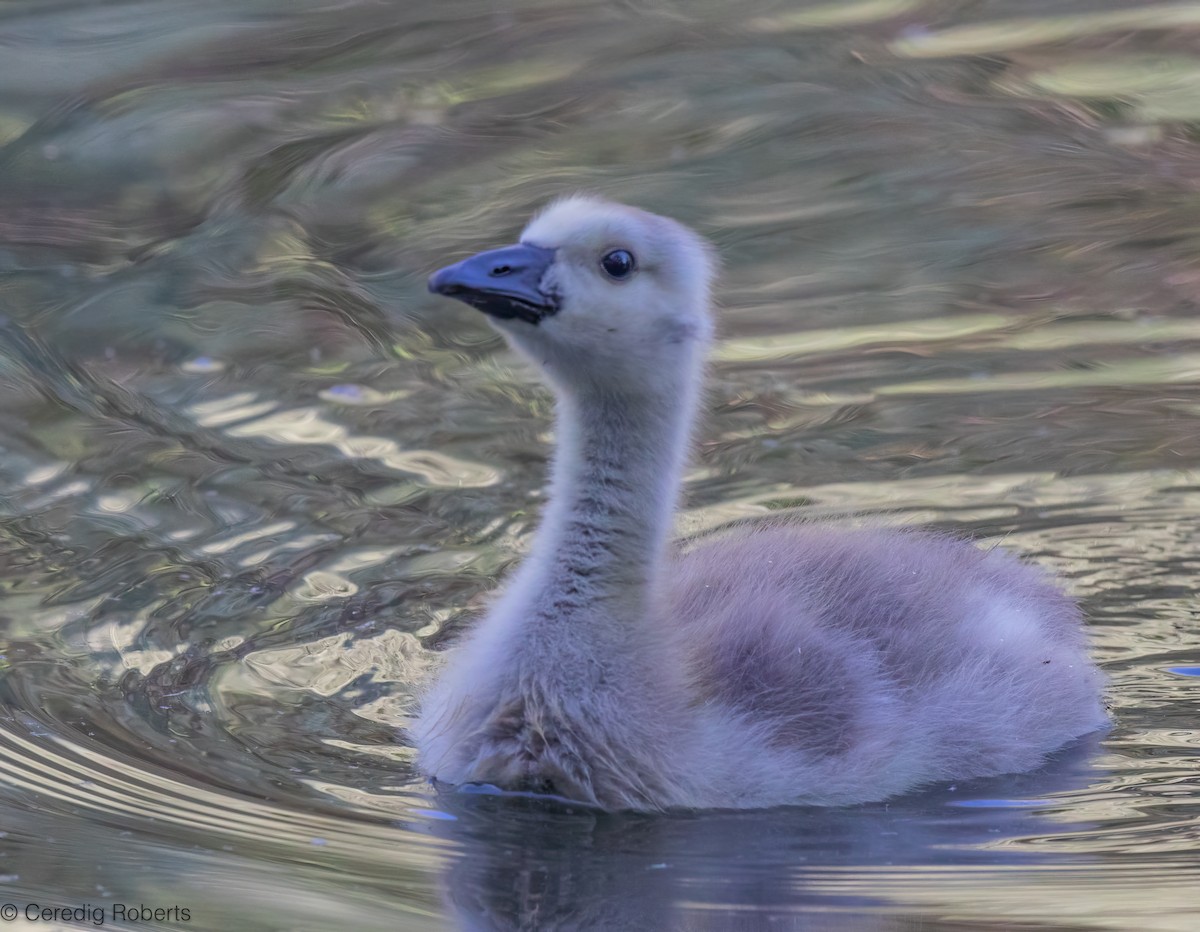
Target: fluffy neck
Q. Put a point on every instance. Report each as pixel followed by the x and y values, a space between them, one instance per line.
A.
pixel 614 490
pixel 601 544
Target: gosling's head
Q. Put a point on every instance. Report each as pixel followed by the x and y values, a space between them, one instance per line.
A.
pixel 601 295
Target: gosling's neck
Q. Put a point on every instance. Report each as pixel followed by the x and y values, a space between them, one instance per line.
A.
pixel 613 493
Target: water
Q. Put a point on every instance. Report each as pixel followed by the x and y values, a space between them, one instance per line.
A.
pixel 251 474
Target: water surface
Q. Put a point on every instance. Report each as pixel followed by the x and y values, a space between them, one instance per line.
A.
pixel 252 476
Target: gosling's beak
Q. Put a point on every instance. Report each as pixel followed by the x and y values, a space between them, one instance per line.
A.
pixel 505 282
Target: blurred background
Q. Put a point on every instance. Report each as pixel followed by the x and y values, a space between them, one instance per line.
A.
pixel 252 475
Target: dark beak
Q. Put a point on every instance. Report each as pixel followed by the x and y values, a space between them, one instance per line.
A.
pixel 505 282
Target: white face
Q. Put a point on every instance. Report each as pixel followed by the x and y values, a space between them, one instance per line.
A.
pixel 633 298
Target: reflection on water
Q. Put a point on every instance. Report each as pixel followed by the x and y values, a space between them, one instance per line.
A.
pixel 251 474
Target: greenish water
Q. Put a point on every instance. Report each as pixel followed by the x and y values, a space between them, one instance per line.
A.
pixel 252 475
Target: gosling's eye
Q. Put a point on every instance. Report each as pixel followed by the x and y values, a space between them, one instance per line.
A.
pixel 618 264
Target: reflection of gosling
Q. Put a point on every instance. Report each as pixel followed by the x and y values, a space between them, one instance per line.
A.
pixel 784 665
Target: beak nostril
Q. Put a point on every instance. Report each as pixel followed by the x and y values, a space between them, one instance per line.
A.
pixel 503 283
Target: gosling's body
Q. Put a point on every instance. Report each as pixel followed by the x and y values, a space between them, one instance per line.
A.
pixel 871 662
pixel 783 665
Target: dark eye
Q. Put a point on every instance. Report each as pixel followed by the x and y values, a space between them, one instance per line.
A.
pixel 618 264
